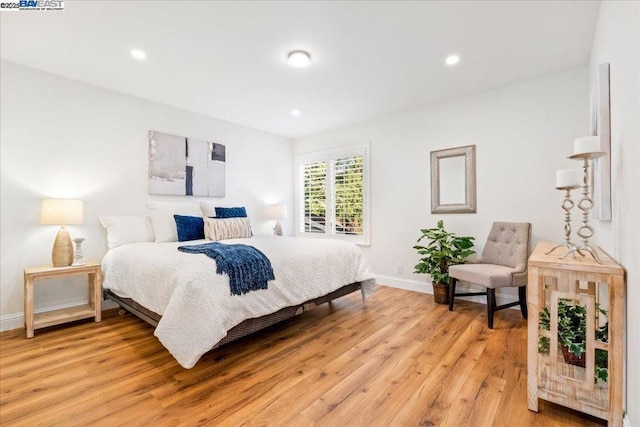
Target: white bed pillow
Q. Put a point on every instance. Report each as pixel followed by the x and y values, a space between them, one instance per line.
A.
pixel 226 228
pixel 164 224
pixel 123 229
pixel 208 209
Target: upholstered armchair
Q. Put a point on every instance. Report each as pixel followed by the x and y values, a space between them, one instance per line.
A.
pixel 503 263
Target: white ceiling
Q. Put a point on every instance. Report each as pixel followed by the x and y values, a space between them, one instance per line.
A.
pixel 369 59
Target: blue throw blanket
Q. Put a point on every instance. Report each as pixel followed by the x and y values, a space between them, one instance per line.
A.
pixel 248 268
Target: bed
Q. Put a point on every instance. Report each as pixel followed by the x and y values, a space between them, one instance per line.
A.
pixel 192 306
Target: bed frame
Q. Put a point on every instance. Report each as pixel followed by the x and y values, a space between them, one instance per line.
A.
pixel 248 326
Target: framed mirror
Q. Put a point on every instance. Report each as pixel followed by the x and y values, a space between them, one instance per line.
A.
pixel 453 180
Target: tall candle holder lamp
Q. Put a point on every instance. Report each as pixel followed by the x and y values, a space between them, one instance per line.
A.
pixel 586 149
pixel 567 205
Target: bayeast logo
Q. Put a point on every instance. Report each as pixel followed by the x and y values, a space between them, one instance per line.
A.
pixel 33 5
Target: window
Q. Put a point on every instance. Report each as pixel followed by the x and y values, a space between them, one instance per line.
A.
pixel 333 194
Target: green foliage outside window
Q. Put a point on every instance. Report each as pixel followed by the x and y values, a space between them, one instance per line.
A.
pixel 347 195
pixel 315 195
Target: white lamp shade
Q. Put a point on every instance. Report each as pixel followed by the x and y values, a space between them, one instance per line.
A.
pixel 61 212
pixel 277 211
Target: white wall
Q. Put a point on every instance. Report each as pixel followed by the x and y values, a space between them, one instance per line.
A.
pixel 617 41
pixel 63 138
pixel 522 134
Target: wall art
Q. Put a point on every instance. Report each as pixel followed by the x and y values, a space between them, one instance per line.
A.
pixel 182 166
pixel 601 126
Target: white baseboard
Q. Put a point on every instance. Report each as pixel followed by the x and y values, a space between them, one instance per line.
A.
pixel 426 288
pixel 626 422
pixel 11 321
pixel 409 285
pixel 16 320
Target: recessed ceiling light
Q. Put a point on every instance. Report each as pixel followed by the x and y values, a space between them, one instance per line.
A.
pixel 138 54
pixel 295 113
pixel 298 59
pixel 452 60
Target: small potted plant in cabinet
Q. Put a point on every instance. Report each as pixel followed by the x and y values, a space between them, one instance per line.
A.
pixel 572 336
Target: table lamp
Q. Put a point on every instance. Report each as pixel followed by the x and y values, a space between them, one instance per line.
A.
pixel 277 212
pixel 61 212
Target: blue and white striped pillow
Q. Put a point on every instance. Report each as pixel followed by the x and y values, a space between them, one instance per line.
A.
pixel 226 228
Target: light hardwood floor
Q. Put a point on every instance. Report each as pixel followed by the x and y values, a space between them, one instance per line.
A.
pixel 398 360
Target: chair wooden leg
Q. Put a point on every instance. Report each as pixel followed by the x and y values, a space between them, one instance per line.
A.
pixel 522 298
pixel 452 292
pixel 491 298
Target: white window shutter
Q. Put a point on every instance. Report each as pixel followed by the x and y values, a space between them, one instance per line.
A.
pixel 314 197
pixel 333 194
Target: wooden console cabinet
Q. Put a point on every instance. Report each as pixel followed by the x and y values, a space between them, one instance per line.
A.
pixel 576 281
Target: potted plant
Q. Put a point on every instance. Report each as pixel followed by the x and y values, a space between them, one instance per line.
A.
pixel 443 250
pixel 572 332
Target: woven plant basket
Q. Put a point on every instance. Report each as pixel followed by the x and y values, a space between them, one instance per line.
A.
pixel 441 293
pixel 572 359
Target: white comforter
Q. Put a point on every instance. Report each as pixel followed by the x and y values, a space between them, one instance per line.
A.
pixel 196 305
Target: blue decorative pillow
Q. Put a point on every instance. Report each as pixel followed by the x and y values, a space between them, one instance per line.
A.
pixel 239 212
pixel 189 227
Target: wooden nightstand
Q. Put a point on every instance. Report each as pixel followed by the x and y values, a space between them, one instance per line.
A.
pixel 92 309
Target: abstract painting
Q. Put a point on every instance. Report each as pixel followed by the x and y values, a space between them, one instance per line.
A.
pixel 182 166
pixel 601 126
